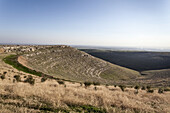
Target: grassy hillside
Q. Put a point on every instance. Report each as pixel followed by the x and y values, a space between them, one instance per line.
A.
pixel 69 63
pixel 140 61
pixel 22 92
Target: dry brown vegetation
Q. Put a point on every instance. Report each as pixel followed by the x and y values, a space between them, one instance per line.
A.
pixel 73 97
pixel 23 97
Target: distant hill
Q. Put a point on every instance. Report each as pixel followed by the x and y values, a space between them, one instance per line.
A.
pixel 69 63
pixel 136 60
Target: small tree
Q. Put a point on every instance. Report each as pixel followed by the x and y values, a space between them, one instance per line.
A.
pixel 43 79
pixel 18 78
pixel 95 88
pixel 60 82
pixel 87 84
pixel 5 72
pixel 143 88
pixel 2 77
pixel 150 90
pixel 137 89
pixel 160 90
pixel 148 87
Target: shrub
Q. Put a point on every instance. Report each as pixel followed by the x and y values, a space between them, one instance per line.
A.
pixel 43 79
pixel 148 87
pixel 166 89
pixel 96 83
pixel 122 87
pixel 18 78
pixel 30 80
pixel 87 84
pixel 107 85
pixel 2 77
pixel 160 90
pixel 150 90
pixel 136 87
pixel 60 82
pixel 143 88
pixel 95 88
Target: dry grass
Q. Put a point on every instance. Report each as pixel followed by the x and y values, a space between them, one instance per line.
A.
pixel 22 96
pixel 50 96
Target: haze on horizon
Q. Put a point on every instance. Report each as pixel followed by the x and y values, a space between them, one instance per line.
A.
pixel 128 23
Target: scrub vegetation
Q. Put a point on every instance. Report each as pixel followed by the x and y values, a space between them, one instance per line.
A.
pixel 23 89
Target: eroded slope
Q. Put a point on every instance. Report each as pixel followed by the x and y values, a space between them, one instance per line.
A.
pixel 69 63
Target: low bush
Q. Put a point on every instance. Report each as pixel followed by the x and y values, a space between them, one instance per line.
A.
pixel 107 85
pixel 143 88
pixel 2 77
pixel 148 87
pixel 60 82
pixel 30 80
pixel 18 78
pixel 150 90
pixel 122 87
pixel 137 87
pixel 160 90
pixel 166 89
pixel 95 88
pixel 5 72
pixel 96 83
pixel 87 84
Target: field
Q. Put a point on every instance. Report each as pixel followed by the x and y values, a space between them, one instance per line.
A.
pixel 26 87
pixel 50 96
pixel 153 66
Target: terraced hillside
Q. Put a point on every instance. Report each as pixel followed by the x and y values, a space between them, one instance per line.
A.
pixel 69 63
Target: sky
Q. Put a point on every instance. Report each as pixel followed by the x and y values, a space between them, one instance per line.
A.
pixel 125 23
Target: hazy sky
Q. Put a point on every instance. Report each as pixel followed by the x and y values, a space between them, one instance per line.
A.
pixel 140 23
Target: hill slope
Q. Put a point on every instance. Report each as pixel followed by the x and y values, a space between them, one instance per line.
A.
pixel 69 63
pixel 136 60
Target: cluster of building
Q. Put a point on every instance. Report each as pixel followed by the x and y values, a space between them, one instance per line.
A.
pixel 26 48
pixel 9 49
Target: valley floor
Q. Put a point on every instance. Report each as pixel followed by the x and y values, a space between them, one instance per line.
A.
pixel 52 96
